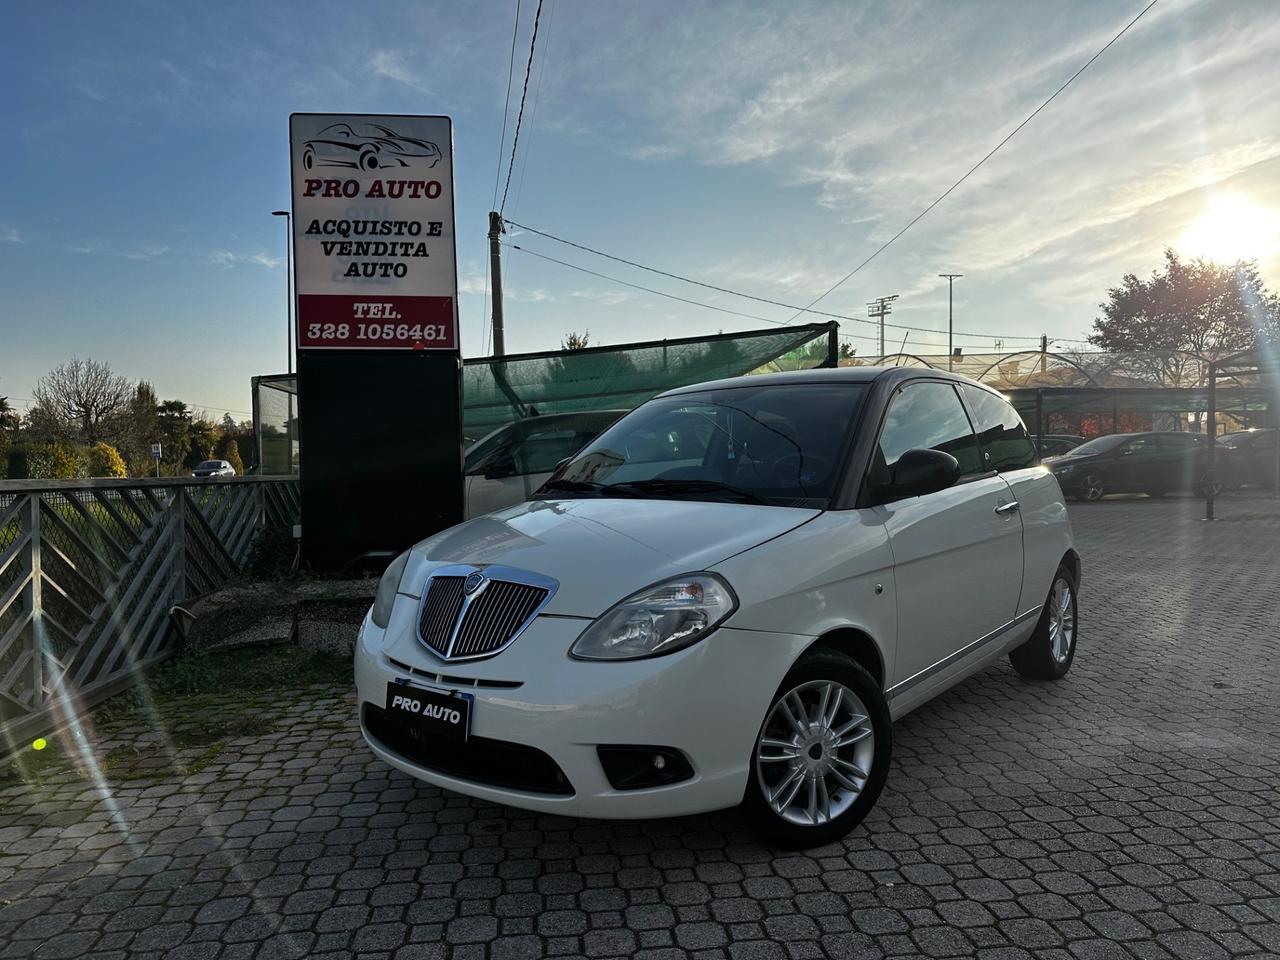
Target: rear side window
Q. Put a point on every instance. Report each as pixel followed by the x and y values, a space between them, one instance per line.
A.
pixel 926 415
pixel 1005 444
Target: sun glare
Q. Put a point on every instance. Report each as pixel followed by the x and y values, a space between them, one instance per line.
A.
pixel 1233 228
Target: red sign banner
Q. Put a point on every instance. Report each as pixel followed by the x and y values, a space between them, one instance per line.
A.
pixel 376 323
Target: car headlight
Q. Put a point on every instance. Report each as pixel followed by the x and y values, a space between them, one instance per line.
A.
pixel 658 620
pixel 387 587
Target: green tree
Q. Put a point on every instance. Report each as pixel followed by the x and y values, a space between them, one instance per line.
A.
pixel 104 460
pixel 203 441
pixel 141 428
pixel 576 341
pixel 69 462
pixel 1191 306
pixel 174 421
pixel 229 450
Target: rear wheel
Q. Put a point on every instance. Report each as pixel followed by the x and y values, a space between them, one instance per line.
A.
pixel 822 755
pixel 1048 652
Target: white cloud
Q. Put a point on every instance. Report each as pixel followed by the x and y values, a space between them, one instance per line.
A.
pixel 391 64
pixel 11 235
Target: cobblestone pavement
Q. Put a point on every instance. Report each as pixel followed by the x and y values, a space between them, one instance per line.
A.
pixel 1131 810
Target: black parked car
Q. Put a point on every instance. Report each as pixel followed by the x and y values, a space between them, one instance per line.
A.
pixel 1253 456
pixel 1151 463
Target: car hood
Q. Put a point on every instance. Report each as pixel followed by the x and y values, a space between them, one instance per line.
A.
pixel 602 550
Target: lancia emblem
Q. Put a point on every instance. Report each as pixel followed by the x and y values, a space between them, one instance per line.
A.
pixel 472 583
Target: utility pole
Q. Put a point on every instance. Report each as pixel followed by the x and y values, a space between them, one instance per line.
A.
pixel 880 307
pixel 951 279
pixel 495 268
pixel 1044 351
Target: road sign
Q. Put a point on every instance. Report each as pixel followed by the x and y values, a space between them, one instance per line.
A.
pixel 155 451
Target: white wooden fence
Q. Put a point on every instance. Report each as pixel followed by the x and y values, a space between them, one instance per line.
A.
pixel 89 570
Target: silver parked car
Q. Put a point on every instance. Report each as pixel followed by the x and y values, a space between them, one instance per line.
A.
pixel 214 468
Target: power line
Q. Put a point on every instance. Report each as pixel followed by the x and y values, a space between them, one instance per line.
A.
pixel 921 215
pixel 662 293
pixel 506 104
pixel 748 296
pixel 528 69
pixel 537 99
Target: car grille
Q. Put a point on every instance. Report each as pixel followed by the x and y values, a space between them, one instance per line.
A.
pixel 511 766
pixel 461 626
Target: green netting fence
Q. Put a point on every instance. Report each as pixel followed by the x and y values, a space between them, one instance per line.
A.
pixel 496 391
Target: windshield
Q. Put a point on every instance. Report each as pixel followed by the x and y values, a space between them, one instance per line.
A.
pixel 210 465
pixel 779 444
pixel 1237 439
pixel 1100 445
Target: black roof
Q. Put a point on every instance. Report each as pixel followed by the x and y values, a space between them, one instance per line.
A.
pixel 829 375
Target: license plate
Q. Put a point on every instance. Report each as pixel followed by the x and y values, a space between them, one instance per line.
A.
pixel 435 713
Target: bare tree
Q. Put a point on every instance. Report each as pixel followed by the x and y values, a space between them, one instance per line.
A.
pixel 84 398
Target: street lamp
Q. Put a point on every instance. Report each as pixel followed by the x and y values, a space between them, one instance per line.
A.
pixel 951 278
pixel 288 290
pixel 288 315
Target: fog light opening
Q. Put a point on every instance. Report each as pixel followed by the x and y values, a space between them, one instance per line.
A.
pixel 636 767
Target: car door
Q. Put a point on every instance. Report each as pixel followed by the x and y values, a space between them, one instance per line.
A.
pixel 1008 450
pixel 1181 461
pixel 957 553
pixel 1136 466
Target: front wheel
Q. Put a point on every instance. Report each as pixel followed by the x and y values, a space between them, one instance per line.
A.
pixel 1092 488
pixel 822 755
pixel 1209 488
pixel 1048 652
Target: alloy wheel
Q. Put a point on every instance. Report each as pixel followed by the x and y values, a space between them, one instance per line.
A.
pixel 1093 489
pixel 814 755
pixel 1062 620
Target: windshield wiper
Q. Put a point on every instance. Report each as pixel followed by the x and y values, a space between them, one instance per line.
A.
pixel 659 487
pixel 585 486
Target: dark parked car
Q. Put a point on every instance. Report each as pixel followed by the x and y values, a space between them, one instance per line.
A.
pixel 1253 457
pixel 1151 463
pixel 1056 444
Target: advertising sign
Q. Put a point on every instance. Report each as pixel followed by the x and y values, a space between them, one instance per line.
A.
pixel 373 226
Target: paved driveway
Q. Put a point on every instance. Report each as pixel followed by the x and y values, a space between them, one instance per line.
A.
pixel 1132 810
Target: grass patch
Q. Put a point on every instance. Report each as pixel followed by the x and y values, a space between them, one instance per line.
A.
pixel 188 711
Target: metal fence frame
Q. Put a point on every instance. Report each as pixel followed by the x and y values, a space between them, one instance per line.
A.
pixel 89 570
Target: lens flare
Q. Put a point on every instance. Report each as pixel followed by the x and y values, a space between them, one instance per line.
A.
pixel 1233 228
pixel 39 743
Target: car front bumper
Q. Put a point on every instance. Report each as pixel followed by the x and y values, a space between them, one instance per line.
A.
pixel 707 701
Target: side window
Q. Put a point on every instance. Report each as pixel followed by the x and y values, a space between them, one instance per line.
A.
pixel 1005 444
pixel 1141 447
pixel 543 449
pixel 922 416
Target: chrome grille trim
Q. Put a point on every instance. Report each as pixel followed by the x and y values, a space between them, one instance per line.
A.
pixel 457 625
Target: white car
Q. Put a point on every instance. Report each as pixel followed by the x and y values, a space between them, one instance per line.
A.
pixel 214 468
pixel 726 599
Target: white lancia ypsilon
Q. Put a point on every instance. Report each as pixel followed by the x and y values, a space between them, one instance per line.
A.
pixel 726 598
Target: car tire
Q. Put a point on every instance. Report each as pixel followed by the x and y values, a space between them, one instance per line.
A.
pixel 800 774
pixel 1208 489
pixel 1092 488
pixel 308 158
pixel 368 160
pixel 1050 650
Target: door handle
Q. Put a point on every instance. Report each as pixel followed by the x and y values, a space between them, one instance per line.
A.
pixel 1009 507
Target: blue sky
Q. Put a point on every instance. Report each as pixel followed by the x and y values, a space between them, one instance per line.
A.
pixel 765 147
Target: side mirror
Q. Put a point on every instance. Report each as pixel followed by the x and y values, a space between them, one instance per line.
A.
pixel 919 472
